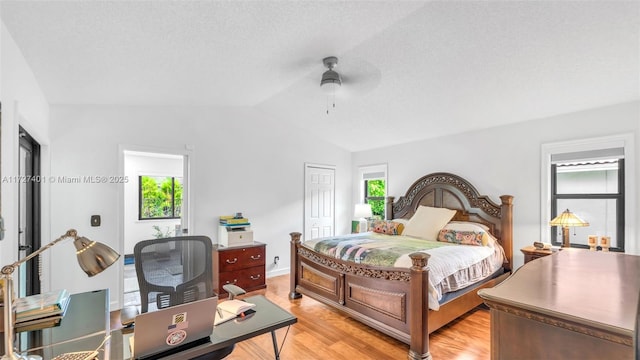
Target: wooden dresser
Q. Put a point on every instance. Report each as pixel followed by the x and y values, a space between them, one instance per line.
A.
pixel 240 265
pixel 575 304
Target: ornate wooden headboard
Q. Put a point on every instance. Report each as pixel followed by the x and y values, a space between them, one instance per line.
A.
pixel 453 192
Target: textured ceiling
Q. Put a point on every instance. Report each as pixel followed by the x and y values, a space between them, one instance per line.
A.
pixel 412 70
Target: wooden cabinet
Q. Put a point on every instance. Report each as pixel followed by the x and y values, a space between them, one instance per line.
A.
pixel 575 304
pixel 531 253
pixel 240 265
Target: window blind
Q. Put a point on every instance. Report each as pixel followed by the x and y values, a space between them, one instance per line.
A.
pixel 588 155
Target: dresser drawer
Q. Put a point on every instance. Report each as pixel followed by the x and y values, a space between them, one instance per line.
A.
pixel 241 258
pixel 248 279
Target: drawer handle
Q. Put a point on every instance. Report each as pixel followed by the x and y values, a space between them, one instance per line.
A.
pixel 256 257
pixel 256 277
pixel 235 260
pixel 234 281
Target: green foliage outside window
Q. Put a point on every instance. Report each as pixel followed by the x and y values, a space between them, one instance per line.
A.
pixel 160 197
pixel 375 192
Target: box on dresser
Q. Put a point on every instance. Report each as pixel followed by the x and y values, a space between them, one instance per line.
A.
pixel 243 266
pixel 235 235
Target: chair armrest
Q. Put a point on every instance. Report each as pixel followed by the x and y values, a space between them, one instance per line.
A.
pixel 233 290
pixel 128 315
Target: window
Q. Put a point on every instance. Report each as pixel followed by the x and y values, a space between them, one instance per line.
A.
pixel 591 185
pixel 160 197
pixel 374 194
pixel 374 187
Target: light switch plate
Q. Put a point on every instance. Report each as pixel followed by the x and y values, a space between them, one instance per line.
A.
pixel 95 220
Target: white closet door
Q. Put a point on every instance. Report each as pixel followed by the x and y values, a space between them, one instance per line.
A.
pixel 319 214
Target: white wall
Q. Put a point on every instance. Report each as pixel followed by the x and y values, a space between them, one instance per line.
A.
pixel 506 160
pixel 23 103
pixel 136 165
pixel 241 161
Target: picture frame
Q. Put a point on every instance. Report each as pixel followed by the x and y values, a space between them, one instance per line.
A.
pixel 605 243
pixel 355 226
pixel 592 241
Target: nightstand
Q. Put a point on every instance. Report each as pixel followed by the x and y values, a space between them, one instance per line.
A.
pixel 531 253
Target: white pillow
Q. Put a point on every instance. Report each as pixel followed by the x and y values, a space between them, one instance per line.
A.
pixel 427 222
pixel 401 221
pixel 487 238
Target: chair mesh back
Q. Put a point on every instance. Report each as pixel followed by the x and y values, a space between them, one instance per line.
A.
pixel 173 271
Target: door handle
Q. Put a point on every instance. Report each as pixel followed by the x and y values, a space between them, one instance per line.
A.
pixel 24 247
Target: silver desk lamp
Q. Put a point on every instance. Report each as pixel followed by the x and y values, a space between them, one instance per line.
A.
pixel 93 258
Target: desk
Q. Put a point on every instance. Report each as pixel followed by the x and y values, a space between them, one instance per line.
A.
pixel 575 304
pixel 83 327
pixel 267 318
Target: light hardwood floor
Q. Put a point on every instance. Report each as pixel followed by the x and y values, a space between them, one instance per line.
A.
pixel 324 333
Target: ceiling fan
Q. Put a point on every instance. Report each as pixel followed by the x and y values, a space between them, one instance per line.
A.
pixel 362 78
pixel 331 80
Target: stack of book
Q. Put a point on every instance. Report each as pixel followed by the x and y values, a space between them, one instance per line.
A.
pixel 235 221
pixel 41 310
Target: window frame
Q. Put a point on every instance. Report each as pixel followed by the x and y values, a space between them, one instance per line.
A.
pixel 626 141
pixel 368 198
pixel 173 198
pixel 619 197
pixel 365 173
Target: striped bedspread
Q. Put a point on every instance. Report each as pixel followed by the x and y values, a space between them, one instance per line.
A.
pixel 451 266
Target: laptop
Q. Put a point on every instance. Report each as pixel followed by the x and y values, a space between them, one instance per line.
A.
pixel 163 332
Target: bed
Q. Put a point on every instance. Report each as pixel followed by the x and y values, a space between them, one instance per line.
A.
pixel 396 297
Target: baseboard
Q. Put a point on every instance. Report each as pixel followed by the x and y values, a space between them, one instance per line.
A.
pixel 277 272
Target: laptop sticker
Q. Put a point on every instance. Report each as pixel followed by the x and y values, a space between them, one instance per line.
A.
pixel 178 322
pixel 176 337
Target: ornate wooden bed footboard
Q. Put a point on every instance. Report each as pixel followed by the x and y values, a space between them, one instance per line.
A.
pixel 383 298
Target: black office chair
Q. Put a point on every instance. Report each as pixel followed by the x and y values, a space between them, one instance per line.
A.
pixel 174 271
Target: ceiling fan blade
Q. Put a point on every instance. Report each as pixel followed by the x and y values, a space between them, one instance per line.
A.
pixel 359 77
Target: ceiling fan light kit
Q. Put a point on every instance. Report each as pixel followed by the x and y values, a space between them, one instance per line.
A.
pixel 331 80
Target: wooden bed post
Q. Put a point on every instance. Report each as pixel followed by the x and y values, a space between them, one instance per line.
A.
pixel 388 211
pixel 293 276
pixel 419 307
pixel 506 231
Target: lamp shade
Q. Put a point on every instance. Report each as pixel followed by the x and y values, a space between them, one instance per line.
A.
pixel 94 257
pixel 362 211
pixel 330 82
pixel 568 219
